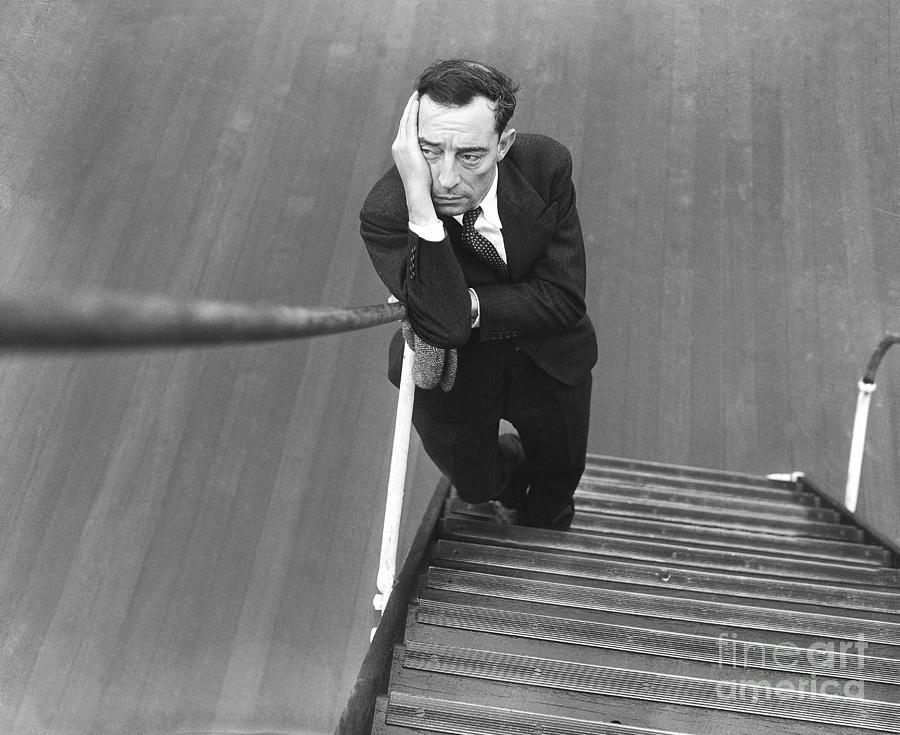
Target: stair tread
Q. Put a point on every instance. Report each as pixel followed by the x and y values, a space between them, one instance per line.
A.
pixel 592 679
pixel 602 486
pixel 647 468
pixel 708 627
pixel 683 554
pixel 461 718
pixel 593 498
pixel 592 524
pixel 727 652
pixel 670 576
pixel 660 605
pixel 835 539
pixel 771 523
pixel 619 585
pixel 630 711
pixel 654 662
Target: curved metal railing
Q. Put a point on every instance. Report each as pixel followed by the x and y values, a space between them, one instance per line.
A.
pixel 866 388
pixel 106 320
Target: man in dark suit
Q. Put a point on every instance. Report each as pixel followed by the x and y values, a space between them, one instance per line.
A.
pixel 475 230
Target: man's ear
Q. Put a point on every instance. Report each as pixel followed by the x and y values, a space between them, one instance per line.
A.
pixel 507 137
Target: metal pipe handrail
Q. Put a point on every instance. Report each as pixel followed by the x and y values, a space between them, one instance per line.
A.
pixel 106 320
pixel 866 388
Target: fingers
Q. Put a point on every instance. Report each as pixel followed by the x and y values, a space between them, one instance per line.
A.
pixel 409 121
pixel 411 164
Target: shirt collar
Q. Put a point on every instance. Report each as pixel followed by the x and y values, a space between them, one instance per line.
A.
pixel 489 204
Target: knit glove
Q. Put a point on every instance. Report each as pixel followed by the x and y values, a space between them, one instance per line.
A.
pixel 432 365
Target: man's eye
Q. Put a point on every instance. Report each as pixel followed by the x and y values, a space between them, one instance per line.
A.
pixel 429 153
pixel 471 158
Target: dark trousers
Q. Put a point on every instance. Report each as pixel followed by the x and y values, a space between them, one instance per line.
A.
pixel 459 429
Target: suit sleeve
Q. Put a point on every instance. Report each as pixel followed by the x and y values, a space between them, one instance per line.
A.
pixel 424 276
pixel 550 298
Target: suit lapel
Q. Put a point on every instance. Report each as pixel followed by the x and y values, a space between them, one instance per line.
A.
pixel 520 208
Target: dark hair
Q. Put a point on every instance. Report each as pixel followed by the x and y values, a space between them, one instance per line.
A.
pixel 457 82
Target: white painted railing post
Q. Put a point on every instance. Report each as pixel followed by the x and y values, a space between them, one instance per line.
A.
pixel 858 444
pixel 393 506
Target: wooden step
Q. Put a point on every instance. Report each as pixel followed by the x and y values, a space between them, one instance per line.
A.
pixel 762 490
pixel 635 713
pixel 669 577
pixel 598 463
pixel 653 663
pixel 845 552
pixel 408 714
pixel 669 553
pixel 837 625
pixel 737 538
pixel 599 681
pixel 849 662
pixel 770 523
pixel 710 629
pixel 800 506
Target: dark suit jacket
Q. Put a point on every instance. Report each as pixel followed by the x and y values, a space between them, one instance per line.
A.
pixel 540 306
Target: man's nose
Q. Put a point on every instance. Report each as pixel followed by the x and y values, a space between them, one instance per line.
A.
pixel 447 176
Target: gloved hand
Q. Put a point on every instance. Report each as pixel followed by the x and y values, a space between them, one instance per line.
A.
pixel 432 365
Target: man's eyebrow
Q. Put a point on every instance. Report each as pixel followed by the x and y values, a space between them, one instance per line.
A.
pixel 464 149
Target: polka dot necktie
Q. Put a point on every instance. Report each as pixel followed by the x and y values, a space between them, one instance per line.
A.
pixel 483 247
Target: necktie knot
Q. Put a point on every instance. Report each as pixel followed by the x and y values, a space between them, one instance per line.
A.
pixel 470 217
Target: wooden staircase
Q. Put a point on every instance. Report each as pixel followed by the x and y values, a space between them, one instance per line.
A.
pixel 683 600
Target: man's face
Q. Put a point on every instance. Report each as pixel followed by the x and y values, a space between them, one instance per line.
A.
pixel 461 146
